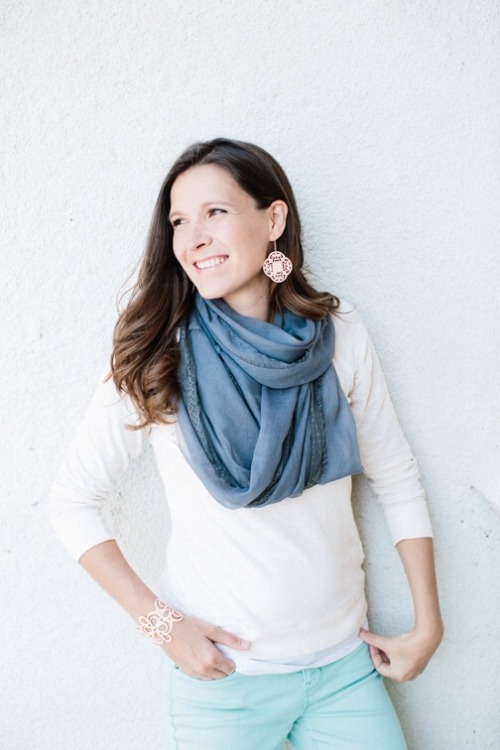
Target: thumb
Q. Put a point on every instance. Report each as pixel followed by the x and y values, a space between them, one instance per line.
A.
pixel 382 667
pixel 218 635
pixel 379 641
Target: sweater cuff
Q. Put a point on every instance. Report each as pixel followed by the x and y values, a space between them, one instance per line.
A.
pixel 408 519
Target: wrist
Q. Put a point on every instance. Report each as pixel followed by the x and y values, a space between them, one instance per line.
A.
pixel 430 628
pixel 159 623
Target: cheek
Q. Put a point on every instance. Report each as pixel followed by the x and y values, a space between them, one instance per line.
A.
pixel 176 250
pixel 256 242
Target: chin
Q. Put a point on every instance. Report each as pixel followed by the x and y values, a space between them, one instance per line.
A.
pixel 212 291
pixel 206 294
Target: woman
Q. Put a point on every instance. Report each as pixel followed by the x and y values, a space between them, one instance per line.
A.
pixel 223 360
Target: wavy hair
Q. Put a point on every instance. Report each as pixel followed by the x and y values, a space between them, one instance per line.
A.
pixel 145 356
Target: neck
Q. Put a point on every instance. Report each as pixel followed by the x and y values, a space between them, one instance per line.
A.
pixel 256 306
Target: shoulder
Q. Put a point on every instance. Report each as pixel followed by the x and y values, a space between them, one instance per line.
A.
pixel 351 336
pixel 346 313
pixel 109 404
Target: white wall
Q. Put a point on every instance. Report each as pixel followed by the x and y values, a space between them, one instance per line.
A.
pixel 385 116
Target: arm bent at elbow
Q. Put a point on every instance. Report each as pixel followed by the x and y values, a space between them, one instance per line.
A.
pixel 405 656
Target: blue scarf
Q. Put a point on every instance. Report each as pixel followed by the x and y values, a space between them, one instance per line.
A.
pixel 262 413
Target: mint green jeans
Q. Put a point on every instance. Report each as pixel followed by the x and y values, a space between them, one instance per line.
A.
pixel 343 706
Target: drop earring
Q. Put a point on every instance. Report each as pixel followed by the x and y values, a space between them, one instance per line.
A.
pixel 277 266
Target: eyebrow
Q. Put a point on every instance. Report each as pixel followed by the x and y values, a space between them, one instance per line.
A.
pixel 204 205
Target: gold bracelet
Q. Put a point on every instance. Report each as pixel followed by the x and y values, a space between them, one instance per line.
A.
pixel 159 623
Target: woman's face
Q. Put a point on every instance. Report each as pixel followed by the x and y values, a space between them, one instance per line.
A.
pixel 221 238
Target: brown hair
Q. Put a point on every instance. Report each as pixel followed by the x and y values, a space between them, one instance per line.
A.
pixel 145 356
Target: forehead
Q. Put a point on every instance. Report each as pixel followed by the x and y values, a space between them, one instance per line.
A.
pixel 206 182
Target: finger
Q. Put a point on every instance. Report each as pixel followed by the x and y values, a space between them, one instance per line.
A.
pixel 227 672
pixel 216 664
pixel 377 657
pixel 377 653
pixel 222 674
pixel 210 674
pixel 218 635
pixel 380 641
pixel 226 666
pixel 383 668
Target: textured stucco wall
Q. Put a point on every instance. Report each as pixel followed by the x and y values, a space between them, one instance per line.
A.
pixel 385 116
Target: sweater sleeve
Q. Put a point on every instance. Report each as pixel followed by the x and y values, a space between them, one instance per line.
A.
pixel 98 453
pixel 386 458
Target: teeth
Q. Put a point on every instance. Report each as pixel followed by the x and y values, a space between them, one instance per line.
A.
pixel 211 262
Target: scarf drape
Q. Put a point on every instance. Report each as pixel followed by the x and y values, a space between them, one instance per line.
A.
pixel 262 413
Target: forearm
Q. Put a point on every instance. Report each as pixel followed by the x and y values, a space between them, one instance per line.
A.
pixel 417 557
pixel 405 656
pixel 108 567
pixel 192 644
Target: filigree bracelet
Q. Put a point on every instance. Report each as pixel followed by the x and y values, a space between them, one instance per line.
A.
pixel 159 623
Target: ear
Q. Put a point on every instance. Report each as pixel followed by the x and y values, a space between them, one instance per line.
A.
pixel 278 211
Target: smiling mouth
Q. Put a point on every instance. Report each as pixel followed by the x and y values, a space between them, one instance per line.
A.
pixel 210 262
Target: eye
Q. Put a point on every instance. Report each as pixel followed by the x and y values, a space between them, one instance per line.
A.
pixel 176 222
pixel 215 211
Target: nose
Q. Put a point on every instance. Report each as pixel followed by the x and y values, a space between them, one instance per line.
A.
pixel 198 237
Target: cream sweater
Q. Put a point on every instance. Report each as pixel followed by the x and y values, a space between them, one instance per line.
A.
pixel 287 576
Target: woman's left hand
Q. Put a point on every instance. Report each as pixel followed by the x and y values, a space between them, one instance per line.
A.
pixel 402 657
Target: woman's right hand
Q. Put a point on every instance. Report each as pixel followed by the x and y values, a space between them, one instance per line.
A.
pixel 193 646
pixel 193 649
